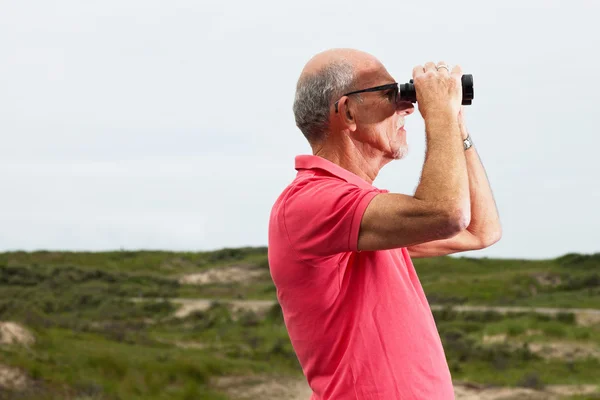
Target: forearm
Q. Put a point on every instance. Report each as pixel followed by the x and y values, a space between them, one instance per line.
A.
pixel 444 176
pixel 485 221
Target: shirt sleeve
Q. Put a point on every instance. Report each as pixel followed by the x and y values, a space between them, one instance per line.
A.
pixel 322 217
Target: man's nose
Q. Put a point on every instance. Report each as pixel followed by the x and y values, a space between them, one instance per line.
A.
pixel 405 108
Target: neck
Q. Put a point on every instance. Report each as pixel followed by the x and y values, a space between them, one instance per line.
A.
pixel 356 157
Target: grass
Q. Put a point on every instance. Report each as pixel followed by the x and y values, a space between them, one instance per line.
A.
pixel 93 342
pixel 574 281
pixel 147 262
pixel 73 364
pixel 126 360
pixel 446 280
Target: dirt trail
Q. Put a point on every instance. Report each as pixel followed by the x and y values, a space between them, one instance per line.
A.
pixel 188 306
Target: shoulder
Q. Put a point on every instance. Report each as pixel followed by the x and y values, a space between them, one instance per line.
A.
pixel 310 188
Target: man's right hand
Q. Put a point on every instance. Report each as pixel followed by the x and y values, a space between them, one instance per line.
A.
pixel 439 92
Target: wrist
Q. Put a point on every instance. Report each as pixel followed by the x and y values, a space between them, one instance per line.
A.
pixel 463 131
pixel 445 121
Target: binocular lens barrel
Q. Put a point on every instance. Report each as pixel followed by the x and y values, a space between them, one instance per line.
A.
pixel 408 93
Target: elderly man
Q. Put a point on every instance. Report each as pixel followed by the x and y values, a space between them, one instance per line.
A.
pixel 340 249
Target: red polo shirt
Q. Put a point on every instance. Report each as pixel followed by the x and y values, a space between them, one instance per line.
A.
pixel 359 322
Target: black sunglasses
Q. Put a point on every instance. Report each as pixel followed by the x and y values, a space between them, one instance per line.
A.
pixel 374 89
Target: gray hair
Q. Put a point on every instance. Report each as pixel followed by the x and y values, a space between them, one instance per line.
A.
pixel 314 95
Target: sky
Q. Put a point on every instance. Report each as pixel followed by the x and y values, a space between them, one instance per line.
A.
pixel 142 124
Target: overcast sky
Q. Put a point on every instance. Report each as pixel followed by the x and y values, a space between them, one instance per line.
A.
pixel 141 124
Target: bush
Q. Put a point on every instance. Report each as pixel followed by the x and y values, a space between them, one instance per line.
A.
pixel 555 330
pixel 502 355
pixel 566 317
pixel 464 326
pixel 275 314
pixel 531 380
pixel 449 314
pixel 582 335
pixel 486 316
pixel 445 314
pixel 218 315
pixel 581 282
pixel 542 317
pixel 436 298
pixel 498 355
pixel 264 264
pixel 249 318
pixel 229 254
pixel 515 329
pixel 458 345
pixel 580 261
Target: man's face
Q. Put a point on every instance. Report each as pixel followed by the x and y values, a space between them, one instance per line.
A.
pixel 380 117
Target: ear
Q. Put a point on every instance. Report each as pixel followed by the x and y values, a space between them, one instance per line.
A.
pixel 346 114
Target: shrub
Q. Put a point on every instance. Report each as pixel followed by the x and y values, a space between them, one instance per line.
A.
pixel 445 314
pixel 542 317
pixel 555 330
pixel 218 315
pixel 486 316
pixel 264 264
pixel 458 345
pixel 515 329
pixel 581 282
pixel 582 335
pixel 249 318
pixel 531 380
pixel 275 314
pixel 437 298
pixel 566 317
pixel 230 254
pixel 580 261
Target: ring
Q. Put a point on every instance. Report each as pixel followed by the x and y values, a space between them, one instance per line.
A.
pixel 443 66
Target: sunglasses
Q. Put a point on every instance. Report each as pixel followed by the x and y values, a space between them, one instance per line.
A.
pixel 390 86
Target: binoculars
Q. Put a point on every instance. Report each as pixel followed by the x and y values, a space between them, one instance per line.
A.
pixel 408 93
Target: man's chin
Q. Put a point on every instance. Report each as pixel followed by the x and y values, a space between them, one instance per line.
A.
pixel 401 153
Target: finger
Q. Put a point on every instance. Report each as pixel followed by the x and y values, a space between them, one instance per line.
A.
pixel 418 70
pixel 443 68
pixel 457 72
pixel 429 66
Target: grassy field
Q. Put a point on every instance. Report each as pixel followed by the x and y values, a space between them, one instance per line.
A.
pixel 93 342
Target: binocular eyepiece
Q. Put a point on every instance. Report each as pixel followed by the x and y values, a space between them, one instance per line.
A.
pixel 408 93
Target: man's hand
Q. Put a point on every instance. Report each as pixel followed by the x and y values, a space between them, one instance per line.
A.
pixel 438 90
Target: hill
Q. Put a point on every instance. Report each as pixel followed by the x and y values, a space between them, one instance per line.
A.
pixel 114 325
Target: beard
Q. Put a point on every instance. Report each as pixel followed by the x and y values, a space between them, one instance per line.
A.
pixel 401 152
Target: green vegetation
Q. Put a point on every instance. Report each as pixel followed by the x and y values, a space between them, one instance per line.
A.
pixel 94 342
pixel 147 262
pixel 510 361
pixel 572 280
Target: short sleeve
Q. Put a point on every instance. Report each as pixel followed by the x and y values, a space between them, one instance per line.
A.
pixel 322 216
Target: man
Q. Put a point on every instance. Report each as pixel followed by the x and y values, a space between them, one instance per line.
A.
pixel 340 249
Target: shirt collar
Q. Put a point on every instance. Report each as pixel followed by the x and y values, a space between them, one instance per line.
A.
pixel 317 162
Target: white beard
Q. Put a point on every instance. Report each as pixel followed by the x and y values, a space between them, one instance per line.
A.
pixel 401 153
